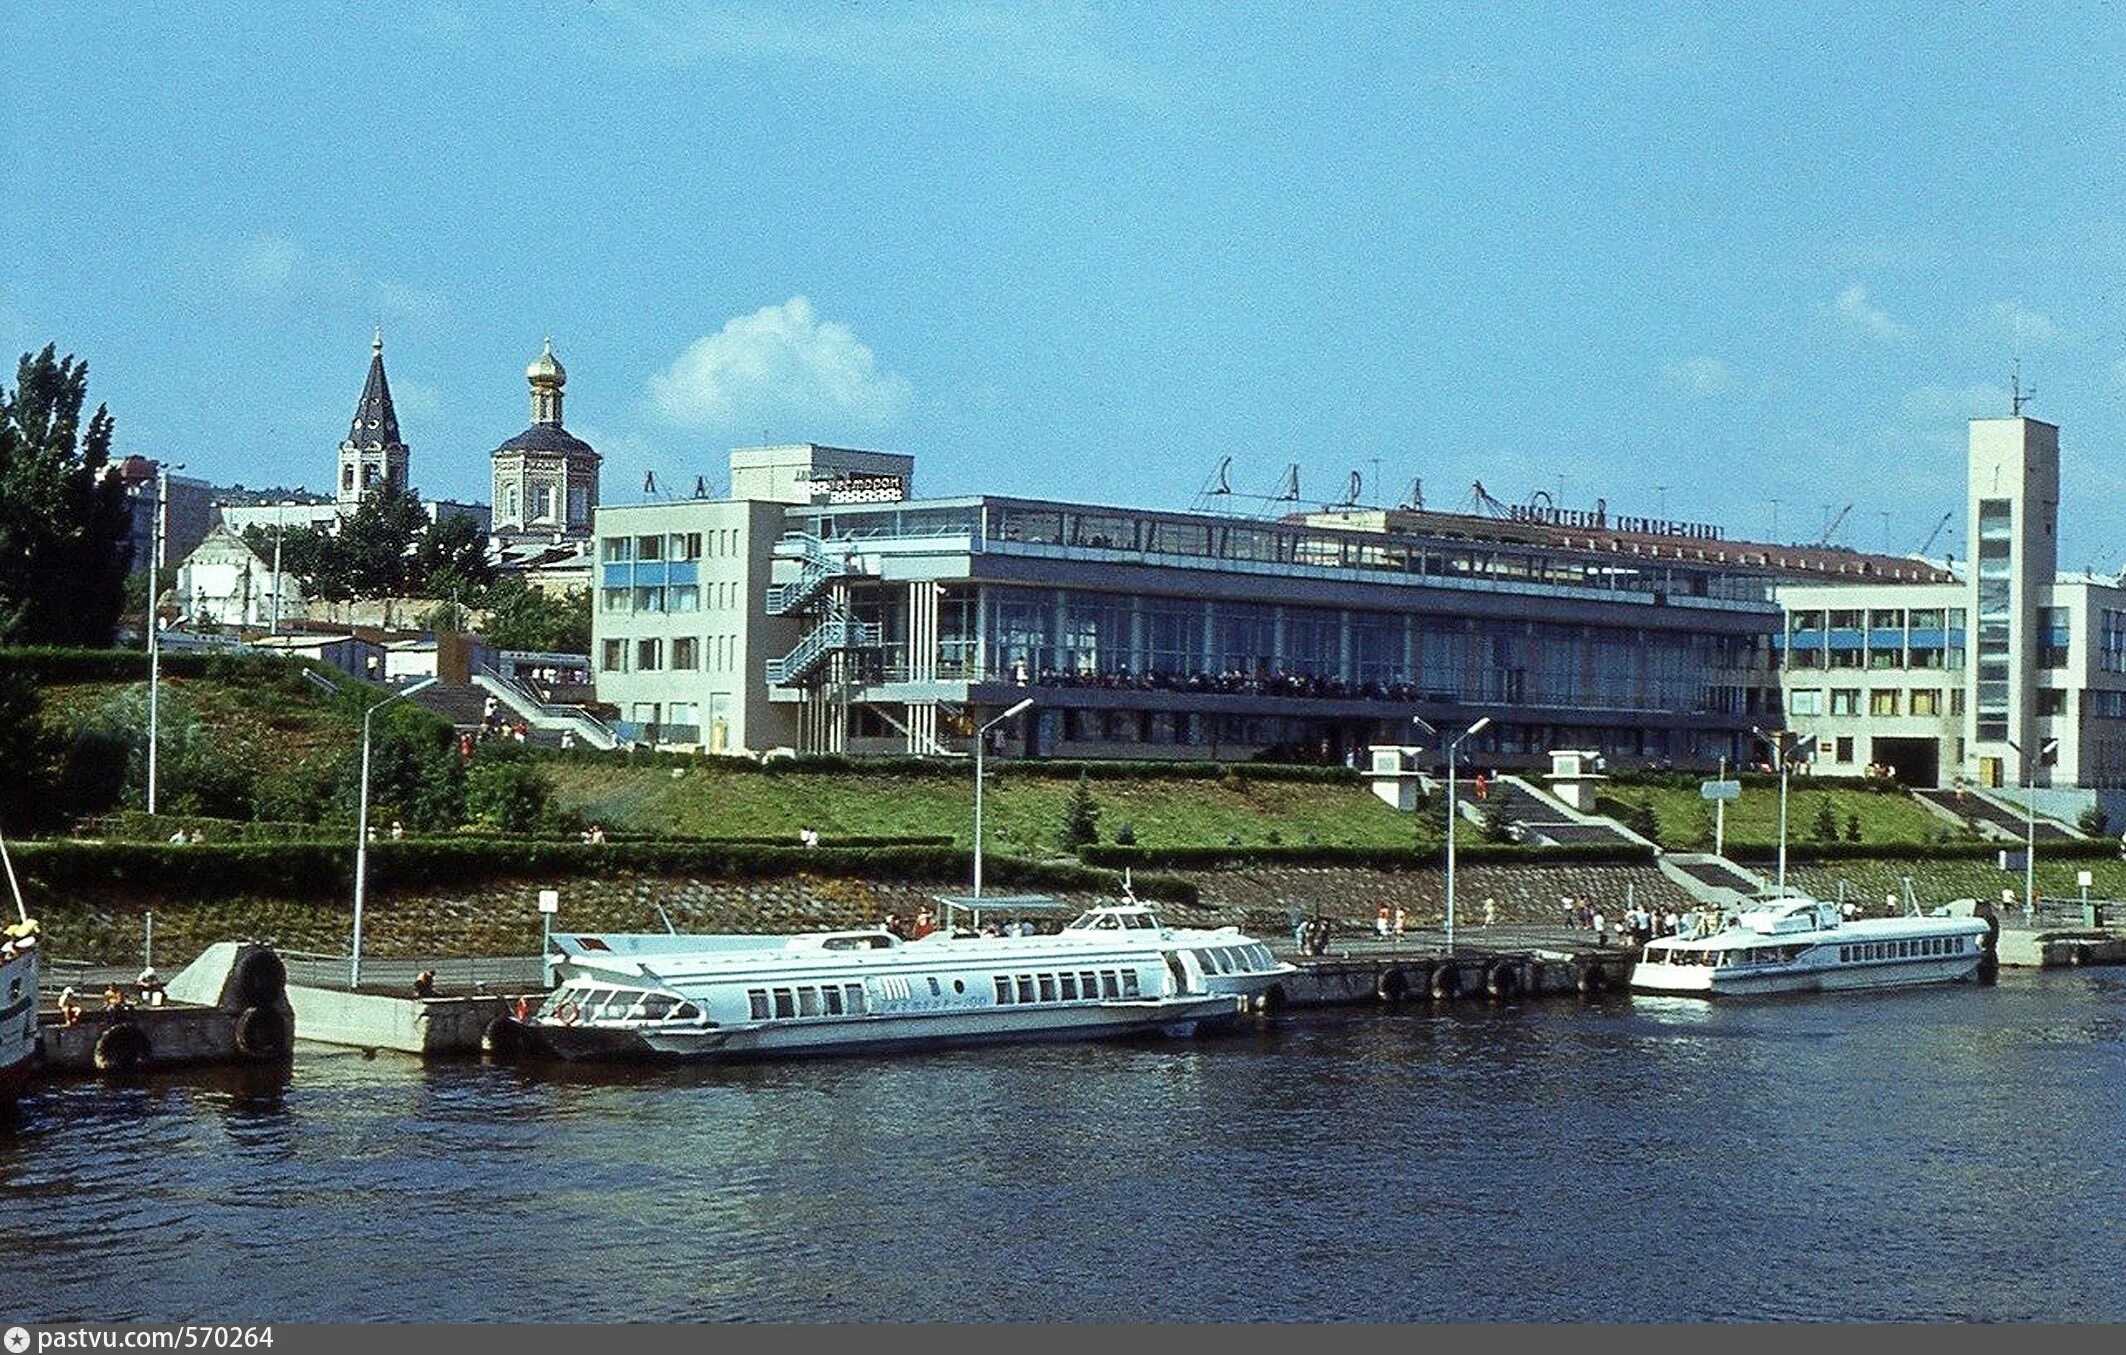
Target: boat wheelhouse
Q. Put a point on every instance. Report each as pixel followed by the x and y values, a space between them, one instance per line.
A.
pixel 1798 944
pixel 1114 971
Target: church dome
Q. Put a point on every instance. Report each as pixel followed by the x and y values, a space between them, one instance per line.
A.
pixel 546 367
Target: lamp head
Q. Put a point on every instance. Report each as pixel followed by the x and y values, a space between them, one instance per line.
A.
pixel 1021 706
pixel 1422 723
pixel 1477 726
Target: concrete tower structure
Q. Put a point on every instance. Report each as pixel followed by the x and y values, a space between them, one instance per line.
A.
pixel 2014 499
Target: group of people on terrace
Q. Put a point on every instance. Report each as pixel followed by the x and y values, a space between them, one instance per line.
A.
pixel 1232 680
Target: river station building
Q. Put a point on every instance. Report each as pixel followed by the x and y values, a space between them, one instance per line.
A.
pixel 822 607
pixel 1973 677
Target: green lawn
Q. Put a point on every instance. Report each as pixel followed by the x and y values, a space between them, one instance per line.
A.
pixel 1021 813
pixel 1685 821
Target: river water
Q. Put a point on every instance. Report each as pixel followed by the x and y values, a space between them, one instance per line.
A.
pixel 1944 1154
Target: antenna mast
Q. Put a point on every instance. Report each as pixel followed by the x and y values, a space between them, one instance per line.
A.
pixel 2017 396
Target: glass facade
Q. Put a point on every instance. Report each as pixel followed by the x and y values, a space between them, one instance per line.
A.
pixel 1995 609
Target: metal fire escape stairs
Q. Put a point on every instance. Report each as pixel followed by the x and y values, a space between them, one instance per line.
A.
pixel 818 569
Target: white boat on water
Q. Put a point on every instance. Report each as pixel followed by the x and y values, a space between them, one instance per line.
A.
pixel 1114 971
pixel 1798 945
pixel 18 992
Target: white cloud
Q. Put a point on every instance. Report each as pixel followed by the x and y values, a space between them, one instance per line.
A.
pixel 779 361
pixel 422 399
pixel 1929 405
pixel 279 270
pixel 2018 324
pixel 1852 307
pixel 1701 376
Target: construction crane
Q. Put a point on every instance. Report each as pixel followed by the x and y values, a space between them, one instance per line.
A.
pixel 1928 544
pixel 1824 539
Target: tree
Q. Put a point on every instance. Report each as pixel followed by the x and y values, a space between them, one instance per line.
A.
pixel 2094 821
pixel 1852 827
pixel 521 617
pixel 1825 828
pixel 64 518
pixel 1498 824
pixel 415 774
pixel 1081 821
pixel 27 750
pixel 374 542
pixel 509 793
pixel 312 556
pixel 451 557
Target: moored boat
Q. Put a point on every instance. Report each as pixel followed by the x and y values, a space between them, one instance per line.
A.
pixel 18 992
pixel 1114 971
pixel 1798 944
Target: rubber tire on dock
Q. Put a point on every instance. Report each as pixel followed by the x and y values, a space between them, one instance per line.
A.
pixel 505 1038
pixel 1504 981
pixel 262 1033
pixel 1271 1002
pixel 2079 955
pixel 261 980
pixel 1446 983
pixel 1393 985
pixel 1591 980
pixel 124 1048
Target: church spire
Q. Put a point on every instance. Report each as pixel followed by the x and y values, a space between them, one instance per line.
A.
pixel 373 454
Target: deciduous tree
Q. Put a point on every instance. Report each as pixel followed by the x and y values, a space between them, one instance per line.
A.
pixel 63 513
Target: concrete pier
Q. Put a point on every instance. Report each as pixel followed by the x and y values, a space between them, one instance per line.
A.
pixel 228 1006
pixel 1507 963
pixel 407 1025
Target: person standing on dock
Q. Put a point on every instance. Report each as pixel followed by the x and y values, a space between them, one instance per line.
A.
pixel 1380 922
pixel 1601 928
pixel 1491 910
pixel 1399 922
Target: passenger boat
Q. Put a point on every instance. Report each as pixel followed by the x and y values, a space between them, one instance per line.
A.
pixel 18 992
pixel 1799 945
pixel 1115 971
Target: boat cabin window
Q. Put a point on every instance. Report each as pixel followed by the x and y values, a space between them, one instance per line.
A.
pixel 1067 987
pixel 785 1002
pixel 1026 988
pixel 1088 984
pixel 808 1002
pixel 1110 984
pixel 658 1006
pixel 757 1003
pixel 1129 984
pixel 857 943
pixel 686 1011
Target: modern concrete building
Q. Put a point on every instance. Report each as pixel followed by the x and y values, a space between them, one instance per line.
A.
pixel 187 511
pixel 1969 679
pixel 821 607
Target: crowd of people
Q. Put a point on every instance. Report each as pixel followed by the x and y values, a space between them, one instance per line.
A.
pixel 1269 683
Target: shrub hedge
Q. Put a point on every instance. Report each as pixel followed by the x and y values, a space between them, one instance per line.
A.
pixel 952 768
pixel 1367 858
pixel 44 664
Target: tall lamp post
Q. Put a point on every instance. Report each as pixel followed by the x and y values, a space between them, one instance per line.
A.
pixel 2030 766
pixel 1453 811
pixel 361 832
pixel 1781 740
pixel 981 738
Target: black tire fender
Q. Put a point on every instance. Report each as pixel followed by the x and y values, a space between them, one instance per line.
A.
pixel 1393 984
pixel 505 1038
pixel 1503 981
pixel 123 1048
pixel 1446 983
pixel 263 1033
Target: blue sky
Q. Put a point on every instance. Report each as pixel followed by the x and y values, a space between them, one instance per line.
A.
pixel 1691 260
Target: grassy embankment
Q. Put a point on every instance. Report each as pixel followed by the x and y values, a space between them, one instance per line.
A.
pixel 1685 821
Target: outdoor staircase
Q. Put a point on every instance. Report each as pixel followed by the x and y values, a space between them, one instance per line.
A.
pixel 1995 817
pixel 816 565
pixel 1713 880
pixel 541 717
pixel 812 651
pixel 1542 820
pixel 461 703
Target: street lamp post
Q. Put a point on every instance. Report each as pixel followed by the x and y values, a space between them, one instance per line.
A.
pixel 1781 740
pixel 1453 811
pixel 981 737
pixel 361 832
pixel 2030 766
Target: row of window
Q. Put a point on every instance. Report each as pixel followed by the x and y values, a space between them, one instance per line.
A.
pixel 1882 701
pixel 844 999
pixel 1916 656
pixel 1246 959
pixel 657 546
pixel 1905 950
pixel 678 597
pixel 685 653
pixel 1084 985
pixel 1874 618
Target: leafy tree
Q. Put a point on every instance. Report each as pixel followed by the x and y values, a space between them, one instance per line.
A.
pixel 1852 827
pixel 27 751
pixel 63 515
pixel 2094 821
pixel 1081 820
pixel 375 541
pixel 1125 834
pixel 521 617
pixel 509 793
pixel 197 771
pixel 451 557
pixel 1498 824
pixel 312 556
pixel 415 775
